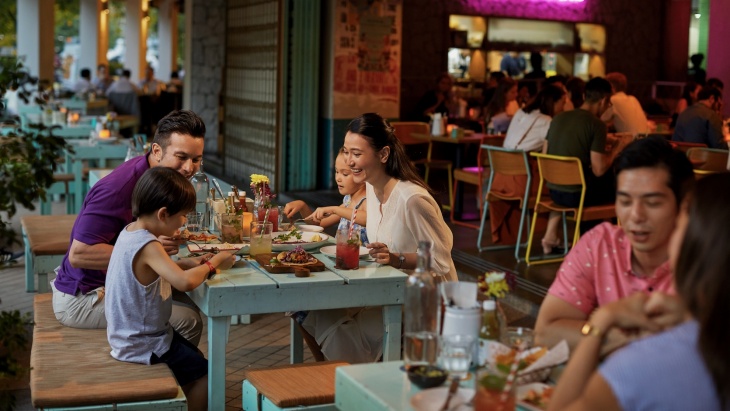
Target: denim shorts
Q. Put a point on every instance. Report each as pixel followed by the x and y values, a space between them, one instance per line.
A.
pixel 184 359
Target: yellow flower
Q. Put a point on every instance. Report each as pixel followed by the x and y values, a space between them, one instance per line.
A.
pixel 257 179
pixel 493 284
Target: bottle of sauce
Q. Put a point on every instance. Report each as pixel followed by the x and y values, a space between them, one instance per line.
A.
pixel 489 331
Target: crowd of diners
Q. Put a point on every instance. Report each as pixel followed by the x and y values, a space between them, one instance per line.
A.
pixel 659 273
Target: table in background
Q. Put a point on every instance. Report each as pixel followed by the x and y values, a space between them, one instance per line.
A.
pixel 248 289
pixel 378 386
pixel 102 154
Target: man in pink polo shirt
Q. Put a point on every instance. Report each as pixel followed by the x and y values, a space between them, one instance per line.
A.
pixel 611 262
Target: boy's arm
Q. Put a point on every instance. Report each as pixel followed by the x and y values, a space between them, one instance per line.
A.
pixel 153 255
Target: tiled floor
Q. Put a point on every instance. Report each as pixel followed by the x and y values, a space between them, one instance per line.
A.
pixel 265 342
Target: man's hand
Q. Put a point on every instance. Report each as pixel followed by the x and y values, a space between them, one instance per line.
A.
pixel 665 310
pixel 627 314
pixel 171 244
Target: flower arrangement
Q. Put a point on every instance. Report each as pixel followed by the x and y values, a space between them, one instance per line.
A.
pixel 494 284
pixel 261 190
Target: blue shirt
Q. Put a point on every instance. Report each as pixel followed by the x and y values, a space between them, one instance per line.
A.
pixel 662 372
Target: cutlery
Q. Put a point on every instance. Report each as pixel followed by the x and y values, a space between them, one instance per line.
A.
pixel 218 187
pixel 452 391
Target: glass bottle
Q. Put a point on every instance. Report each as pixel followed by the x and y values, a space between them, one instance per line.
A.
pixel 421 328
pixel 489 331
pixel 202 188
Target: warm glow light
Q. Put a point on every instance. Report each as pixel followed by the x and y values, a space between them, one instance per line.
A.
pixel 697 15
pixel 105 133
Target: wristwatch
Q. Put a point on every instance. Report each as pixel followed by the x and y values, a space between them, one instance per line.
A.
pixel 590 330
pixel 401 259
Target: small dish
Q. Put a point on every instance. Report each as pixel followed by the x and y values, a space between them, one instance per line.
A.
pixel 534 396
pixel 432 399
pixel 427 376
pixel 310 227
pixel 331 251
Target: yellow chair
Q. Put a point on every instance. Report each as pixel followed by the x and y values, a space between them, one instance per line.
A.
pixel 565 171
pixel 509 163
pixel 708 159
pixel 404 131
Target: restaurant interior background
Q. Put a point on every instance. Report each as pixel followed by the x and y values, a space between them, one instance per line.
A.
pixel 277 81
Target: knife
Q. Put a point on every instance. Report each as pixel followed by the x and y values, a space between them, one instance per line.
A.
pixel 452 391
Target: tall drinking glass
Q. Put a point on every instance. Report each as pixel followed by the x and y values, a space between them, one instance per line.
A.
pixel 260 238
pixel 231 228
pixel 347 254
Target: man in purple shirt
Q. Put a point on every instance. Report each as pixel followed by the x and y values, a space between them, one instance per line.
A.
pixel 78 290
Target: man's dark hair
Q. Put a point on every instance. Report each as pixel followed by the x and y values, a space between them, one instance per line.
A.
pixel 86 73
pixel 696 59
pixel 597 89
pixel 127 73
pixel 715 82
pixel 181 122
pixel 709 91
pixel 162 187
pixel 656 152
pixel 545 100
pixel 554 80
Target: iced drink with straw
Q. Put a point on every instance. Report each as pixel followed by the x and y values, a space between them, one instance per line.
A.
pixel 347 253
pixel 260 238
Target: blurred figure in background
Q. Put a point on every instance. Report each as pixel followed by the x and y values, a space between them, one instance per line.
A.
pixel 625 113
pixel 149 84
pixel 123 84
pixel 576 87
pixel 696 73
pixel 536 63
pixel 689 97
pixel 513 64
pixel 503 105
pixel 83 84
pixel 102 80
pixel 438 100
pixel 525 91
pixel 701 122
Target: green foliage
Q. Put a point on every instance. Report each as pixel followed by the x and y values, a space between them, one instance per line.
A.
pixel 13 339
pixel 8 22
pixel 27 159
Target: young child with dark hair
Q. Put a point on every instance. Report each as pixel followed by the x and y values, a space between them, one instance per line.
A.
pixel 140 278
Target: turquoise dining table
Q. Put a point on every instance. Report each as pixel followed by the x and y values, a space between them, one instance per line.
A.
pixel 103 155
pixel 249 289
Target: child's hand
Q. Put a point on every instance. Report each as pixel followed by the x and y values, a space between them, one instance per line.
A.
pixel 322 212
pixel 294 207
pixel 223 260
pixel 171 244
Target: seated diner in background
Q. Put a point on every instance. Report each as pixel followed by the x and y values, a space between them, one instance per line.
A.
pixel 439 100
pixel 611 262
pixel 581 133
pixel 701 122
pixel 103 80
pixel 625 114
pixel 503 105
pixel 401 211
pixel 683 367
pixel 526 132
pixel 78 289
pixel 689 97
pixel 123 84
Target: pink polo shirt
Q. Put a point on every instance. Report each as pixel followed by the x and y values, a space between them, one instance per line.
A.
pixel 597 271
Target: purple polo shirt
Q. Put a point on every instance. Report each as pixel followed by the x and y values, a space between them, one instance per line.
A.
pixel 107 209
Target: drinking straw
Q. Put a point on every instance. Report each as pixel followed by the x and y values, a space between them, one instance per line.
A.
pixel 510 378
pixel 352 223
pixel 266 219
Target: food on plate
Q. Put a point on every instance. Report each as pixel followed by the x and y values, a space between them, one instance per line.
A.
pixel 296 256
pixel 504 361
pixel 539 398
pixel 316 238
pixel 200 236
pixel 292 237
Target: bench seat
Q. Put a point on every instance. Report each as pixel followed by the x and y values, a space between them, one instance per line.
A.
pixel 73 367
pixel 46 238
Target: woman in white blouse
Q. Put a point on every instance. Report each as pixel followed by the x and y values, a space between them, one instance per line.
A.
pixel 401 211
pixel 526 132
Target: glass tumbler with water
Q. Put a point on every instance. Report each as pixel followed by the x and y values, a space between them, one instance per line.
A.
pixel 422 308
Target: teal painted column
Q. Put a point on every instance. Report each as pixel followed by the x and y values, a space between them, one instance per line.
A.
pixel 301 87
pixel 704 29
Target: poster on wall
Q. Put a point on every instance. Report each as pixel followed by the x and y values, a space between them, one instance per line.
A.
pixel 367 59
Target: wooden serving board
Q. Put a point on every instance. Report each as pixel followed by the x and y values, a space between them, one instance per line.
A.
pixel 264 261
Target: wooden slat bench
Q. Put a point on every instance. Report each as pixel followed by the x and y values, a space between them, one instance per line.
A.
pixel 46 238
pixel 73 368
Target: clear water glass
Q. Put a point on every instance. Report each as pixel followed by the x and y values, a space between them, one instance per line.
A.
pixel 456 354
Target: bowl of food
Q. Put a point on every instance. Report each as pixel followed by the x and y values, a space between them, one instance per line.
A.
pixel 427 376
pixel 311 228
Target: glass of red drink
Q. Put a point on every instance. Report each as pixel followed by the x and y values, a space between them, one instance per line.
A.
pixel 273 216
pixel 490 390
pixel 347 255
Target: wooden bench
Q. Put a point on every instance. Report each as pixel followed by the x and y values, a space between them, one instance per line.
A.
pixel 73 368
pixel 46 238
pixel 298 387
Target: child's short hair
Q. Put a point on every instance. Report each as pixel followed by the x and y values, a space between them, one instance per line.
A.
pixel 162 187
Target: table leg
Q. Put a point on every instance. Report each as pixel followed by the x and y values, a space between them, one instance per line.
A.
pixel 458 193
pixel 78 166
pixel 217 330
pixel 392 320
pixel 296 346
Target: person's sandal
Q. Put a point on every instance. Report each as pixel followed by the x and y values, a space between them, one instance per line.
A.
pixel 549 246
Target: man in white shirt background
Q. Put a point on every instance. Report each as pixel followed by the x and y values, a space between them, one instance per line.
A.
pixel 626 114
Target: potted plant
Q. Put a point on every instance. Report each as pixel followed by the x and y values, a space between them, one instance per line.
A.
pixel 27 164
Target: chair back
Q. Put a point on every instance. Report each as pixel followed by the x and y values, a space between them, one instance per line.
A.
pixel 560 170
pixel 404 131
pixel 125 103
pixel 507 162
pixel 682 146
pixel 708 159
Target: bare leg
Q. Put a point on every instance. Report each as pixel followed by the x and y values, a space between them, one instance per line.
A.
pixel 311 343
pixel 551 240
pixel 197 394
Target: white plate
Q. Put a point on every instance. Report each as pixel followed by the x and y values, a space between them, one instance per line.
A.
pixel 312 228
pixel 433 398
pixel 522 391
pixel 306 236
pixel 331 250
pixel 206 248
